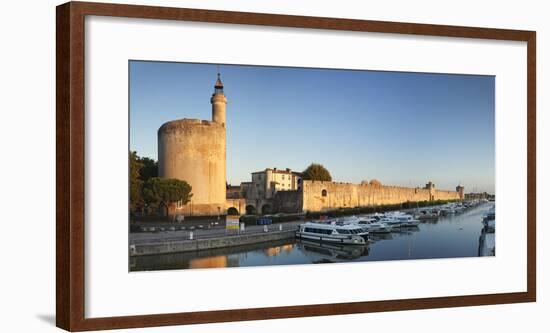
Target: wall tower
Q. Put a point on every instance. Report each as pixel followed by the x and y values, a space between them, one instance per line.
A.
pixel 431 187
pixel 219 102
pixel 460 190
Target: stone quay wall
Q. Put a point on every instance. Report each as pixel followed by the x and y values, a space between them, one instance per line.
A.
pixel 208 243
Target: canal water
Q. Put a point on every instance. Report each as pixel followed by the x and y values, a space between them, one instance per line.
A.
pixel 451 236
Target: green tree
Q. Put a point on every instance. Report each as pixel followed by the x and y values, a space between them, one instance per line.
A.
pixel 136 200
pixel 160 192
pixel 316 172
pixel 149 168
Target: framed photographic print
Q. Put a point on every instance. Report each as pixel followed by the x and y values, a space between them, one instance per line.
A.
pixel 223 166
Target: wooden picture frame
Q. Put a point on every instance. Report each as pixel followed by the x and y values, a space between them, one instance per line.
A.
pixel 70 139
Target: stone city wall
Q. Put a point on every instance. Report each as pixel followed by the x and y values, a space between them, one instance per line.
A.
pixel 320 196
pixel 288 201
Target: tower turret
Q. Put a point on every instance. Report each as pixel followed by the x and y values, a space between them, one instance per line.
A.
pixel 219 102
pixel 431 187
pixel 460 190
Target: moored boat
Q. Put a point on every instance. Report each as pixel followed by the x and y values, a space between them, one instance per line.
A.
pixel 489 216
pixel 428 215
pixel 400 220
pixel 408 221
pixel 333 232
pixel 370 224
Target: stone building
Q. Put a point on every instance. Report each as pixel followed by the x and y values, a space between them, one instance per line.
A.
pixel 265 185
pixel 194 150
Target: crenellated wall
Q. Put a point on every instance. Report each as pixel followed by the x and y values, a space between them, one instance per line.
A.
pixel 320 196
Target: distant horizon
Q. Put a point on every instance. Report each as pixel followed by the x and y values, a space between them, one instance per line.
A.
pixel 361 125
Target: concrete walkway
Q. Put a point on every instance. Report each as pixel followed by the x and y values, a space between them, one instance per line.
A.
pixel 216 232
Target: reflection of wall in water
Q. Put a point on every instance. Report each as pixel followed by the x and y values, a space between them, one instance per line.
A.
pixel 276 250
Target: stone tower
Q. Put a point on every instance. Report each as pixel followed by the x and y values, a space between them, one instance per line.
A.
pixel 219 102
pixel 431 187
pixel 194 150
pixel 460 190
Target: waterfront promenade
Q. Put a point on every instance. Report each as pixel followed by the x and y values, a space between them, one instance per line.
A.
pixel 179 235
pixel 148 243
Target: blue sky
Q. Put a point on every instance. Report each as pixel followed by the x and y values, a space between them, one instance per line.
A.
pixel 400 128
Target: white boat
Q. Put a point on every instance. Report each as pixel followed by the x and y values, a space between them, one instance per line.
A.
pixel 489 220
pixel 333 232
pixel 427 214
pixel 369 224
pixel 489 216
pixel 489 224
pixel 351 220
pixel 408 221
pixel 487 242
pixel 446 211
pixel 400 220
pixel 387 220
pixel 391 221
